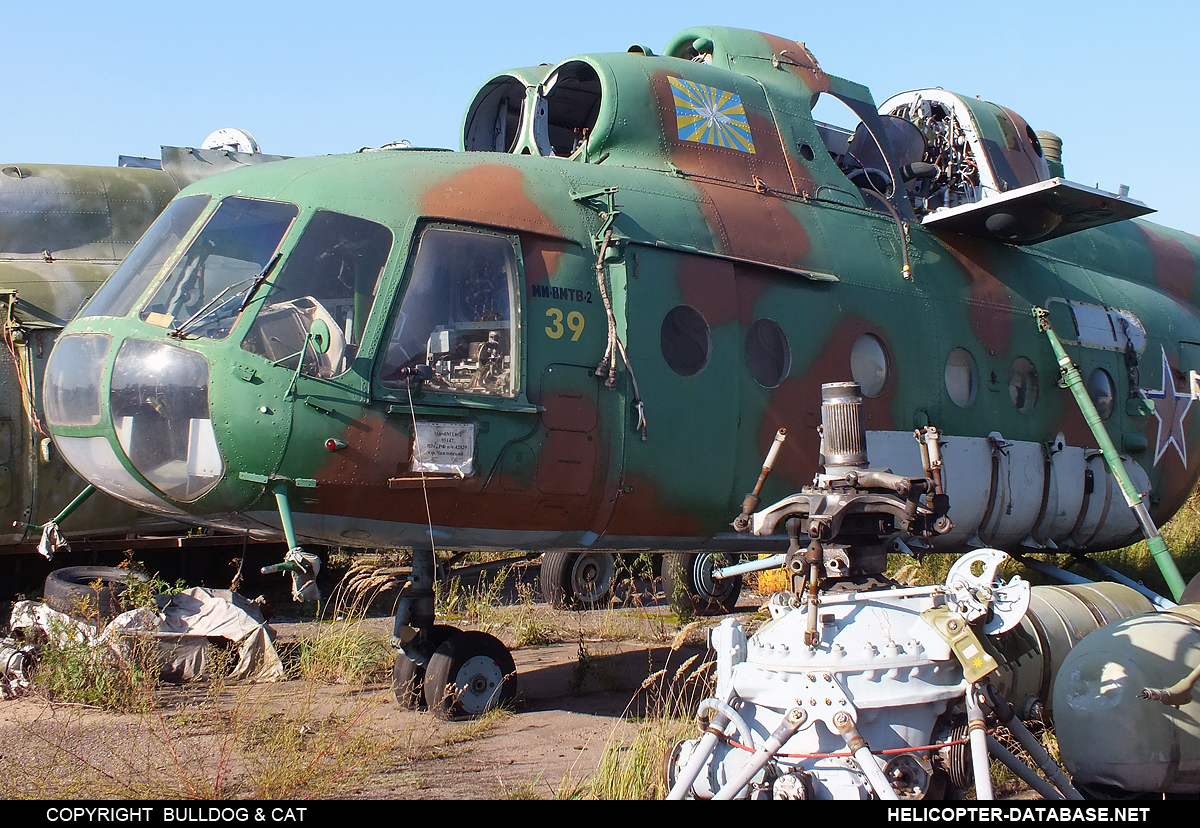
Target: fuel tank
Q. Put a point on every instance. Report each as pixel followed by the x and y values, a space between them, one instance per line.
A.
pixel 1058 620
pixel 1108 734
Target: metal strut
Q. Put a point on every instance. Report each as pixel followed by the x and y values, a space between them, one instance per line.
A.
pixel 1073 380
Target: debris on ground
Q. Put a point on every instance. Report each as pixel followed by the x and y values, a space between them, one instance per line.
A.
pixel 185 630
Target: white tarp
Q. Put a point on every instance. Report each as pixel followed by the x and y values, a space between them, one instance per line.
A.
pixel 183 629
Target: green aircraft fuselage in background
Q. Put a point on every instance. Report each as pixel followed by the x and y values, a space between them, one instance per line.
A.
pixel 63 230
pixel 391 347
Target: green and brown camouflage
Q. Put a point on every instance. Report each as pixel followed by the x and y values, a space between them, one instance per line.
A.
pixel 63 230
pixel 407 342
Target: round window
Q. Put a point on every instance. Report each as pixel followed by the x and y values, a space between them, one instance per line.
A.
pixel 685 340
pixel 1023 385
pixel 962 377
pixel 869 364
pixel 768 354
pixel 1100 389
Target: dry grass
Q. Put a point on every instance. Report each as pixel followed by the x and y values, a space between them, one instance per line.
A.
pixel 207 740
pixel 224 744
pixel 633 768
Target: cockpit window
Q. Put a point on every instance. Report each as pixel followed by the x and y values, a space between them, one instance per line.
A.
pixel 330 276
pixel 118 295
pixel 457 316
pixel 204 292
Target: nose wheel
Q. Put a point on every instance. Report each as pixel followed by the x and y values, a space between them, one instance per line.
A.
pixel 408 677
pixel 465 673
pixel 469 674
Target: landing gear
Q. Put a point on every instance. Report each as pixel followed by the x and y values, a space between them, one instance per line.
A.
pixel 469 674
pixel 575 580
pixel 408 677
pixel 687 576
pixel 465 673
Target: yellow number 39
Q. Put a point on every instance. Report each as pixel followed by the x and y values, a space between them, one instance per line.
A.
pixel 555 329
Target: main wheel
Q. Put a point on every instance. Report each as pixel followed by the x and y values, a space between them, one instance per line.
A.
pixel 687 576
pixel 571 580
pixel 470 673
pixel 88 592
pixel 408 677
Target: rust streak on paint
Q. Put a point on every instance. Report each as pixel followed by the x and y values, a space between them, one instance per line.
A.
pixel 799 61
pixel 990 308
pixel 1174 264
pixel 491 194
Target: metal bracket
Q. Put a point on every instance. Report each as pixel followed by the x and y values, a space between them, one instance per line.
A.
pixel 966 646
pixel 822 697
pixel 974 596
pixel 607 215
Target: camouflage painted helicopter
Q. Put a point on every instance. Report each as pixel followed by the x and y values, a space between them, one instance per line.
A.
pixel 63 230
pixel 581 334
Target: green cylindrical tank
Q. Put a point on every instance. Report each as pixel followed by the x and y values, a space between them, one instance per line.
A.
pixel 1108 734
pixel 63 230
pixel 1059 618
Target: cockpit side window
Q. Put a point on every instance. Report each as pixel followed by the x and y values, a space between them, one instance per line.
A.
pixel 458 316
pixel 204 292
pixel 331 276
pixel 122 290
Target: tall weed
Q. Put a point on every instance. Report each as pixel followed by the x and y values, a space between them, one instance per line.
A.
pixel 633 768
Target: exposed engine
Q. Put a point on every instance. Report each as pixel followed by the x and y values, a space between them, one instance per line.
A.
pixel 859 687
pixel 948 149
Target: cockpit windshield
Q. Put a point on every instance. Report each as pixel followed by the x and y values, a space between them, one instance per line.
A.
pixel 331 276
pixel 125 286
pixel 205 290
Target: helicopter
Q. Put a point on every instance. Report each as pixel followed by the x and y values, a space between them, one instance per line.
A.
pixel 63 230
pixel 580 334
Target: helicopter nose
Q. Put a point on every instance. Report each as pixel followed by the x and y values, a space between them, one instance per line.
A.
pixel 158 408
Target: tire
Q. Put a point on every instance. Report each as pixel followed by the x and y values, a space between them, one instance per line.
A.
pixel 408 677
pixel 469 674
pixel 687 576
pixel 72 591
pixel 578 580
pixel 553 579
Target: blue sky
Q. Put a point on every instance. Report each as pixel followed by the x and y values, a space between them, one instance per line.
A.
pixel 87 82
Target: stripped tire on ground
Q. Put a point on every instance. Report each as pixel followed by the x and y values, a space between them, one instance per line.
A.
pixel 89 592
